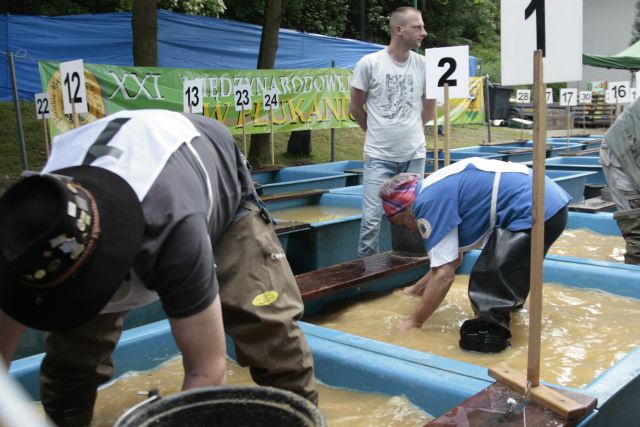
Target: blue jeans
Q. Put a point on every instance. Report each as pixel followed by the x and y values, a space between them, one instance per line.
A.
pixel 377 171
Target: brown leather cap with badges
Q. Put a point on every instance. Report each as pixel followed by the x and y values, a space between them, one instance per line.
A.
pixel 67 241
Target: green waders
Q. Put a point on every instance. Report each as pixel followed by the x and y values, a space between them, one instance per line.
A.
pixel 629 224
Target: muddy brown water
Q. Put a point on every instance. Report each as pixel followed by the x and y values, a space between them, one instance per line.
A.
pixel 584 331
pixel 341 407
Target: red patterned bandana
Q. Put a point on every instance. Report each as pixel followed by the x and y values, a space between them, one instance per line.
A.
pixel 401 198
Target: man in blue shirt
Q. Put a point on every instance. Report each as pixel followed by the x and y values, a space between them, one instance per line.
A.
pixel 475 203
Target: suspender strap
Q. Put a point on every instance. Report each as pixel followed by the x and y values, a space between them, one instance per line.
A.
pixel 494 200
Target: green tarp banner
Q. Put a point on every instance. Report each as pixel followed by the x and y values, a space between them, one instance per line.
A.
pixel 309 98
pixel 628 59
pixel 469 110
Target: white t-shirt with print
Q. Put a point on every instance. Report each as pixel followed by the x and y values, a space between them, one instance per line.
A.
pixel 394 105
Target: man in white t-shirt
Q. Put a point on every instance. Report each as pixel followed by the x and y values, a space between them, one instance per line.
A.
pixel 391 83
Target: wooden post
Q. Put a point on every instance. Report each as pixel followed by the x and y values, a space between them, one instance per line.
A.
pixel 74 115
pixel 537 229
pixel 46 136
pixel 568 126
pixel 447 130
pixel 436 158
pixel 244 134
pixel 273 148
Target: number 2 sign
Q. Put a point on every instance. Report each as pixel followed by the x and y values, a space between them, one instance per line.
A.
pixel 448 65
pixel 73 86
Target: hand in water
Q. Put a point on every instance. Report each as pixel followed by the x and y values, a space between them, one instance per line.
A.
pixel 406 325
pixel 412 290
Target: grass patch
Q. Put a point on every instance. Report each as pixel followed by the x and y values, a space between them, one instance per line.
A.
pixel 349 143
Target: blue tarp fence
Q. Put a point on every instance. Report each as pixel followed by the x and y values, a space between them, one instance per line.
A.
pixel 184 41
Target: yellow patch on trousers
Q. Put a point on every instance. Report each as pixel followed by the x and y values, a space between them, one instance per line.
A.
pixel 265 298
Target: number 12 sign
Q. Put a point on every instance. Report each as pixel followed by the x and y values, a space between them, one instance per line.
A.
pixel 447 65
pixel 553 26
pixel 73 86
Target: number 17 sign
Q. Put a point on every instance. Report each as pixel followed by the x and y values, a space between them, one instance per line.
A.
pixel 553 26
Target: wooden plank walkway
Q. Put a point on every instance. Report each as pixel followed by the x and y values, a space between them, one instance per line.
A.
pixel 354 273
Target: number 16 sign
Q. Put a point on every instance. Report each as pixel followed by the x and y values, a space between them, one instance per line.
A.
pixel 448 65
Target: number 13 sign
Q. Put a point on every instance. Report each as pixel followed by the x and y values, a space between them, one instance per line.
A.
pixel 448 65
pixel 555 27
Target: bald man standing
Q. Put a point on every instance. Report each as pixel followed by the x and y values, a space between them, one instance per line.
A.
pixel 391 84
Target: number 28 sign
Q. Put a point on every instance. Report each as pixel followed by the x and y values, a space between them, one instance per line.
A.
pixel 447 65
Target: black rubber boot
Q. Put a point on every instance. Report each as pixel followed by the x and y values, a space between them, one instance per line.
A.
pixel 499 284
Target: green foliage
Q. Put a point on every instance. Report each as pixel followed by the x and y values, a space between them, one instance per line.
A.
pixel 74 7
pixel 194 7
pixel 328 17
pixel 68 7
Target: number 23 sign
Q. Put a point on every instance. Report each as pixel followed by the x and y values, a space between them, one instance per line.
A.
pixel 448 65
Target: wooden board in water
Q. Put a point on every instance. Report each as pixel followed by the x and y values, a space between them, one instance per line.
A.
pixel 330 279
pixel 492 407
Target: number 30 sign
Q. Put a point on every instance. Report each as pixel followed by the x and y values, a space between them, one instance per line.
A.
pixel 447 65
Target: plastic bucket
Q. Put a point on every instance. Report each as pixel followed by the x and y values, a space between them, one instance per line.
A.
pixel 224 406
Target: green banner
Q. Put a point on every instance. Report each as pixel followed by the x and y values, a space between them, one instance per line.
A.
pixel 309 98
pixel 469 110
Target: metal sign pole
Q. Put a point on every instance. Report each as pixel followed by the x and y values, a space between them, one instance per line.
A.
pixel 16 102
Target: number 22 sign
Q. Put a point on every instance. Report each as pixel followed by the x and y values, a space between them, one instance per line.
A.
pixel 448 65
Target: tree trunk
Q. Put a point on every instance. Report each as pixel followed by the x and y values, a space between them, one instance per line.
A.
pixel 260 150
pixel 299 143
pixel 144 24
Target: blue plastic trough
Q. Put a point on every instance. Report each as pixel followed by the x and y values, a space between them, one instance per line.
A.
pixel 588 142
pixel 328 242
pixel 298 178
pixel 457 155
pixel 572 182
pixel 579 164
pixel 515 152
pixel 434 383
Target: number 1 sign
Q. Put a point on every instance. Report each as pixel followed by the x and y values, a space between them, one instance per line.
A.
pixel 448 65
pixel 555 27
